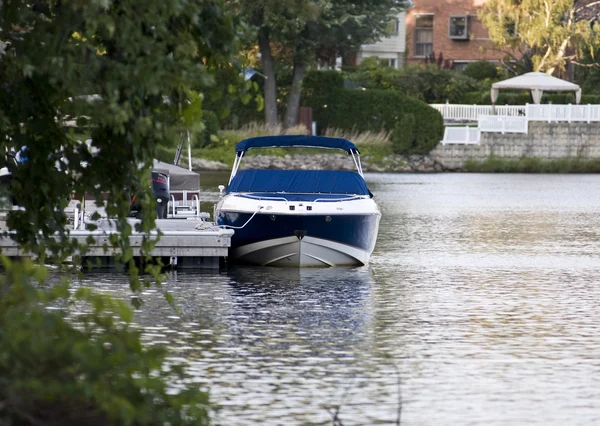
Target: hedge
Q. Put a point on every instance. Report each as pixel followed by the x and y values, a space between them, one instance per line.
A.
pixel 316 81
pixel 403 138
pixel 374 110
pixel 481 70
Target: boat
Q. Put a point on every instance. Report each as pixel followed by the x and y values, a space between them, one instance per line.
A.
pixel 298 218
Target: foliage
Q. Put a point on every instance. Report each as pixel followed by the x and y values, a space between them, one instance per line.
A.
pixel 546 33
pixel 533 165
pixel 591 84
pixel 481 70
pixel 210 131
pixel 588 75
pixel 322 81
pixel 589 99
pixel 429 84
pixel 91 369
pixel 372 74
pixel 165 153
pixel 131 62
pixel 374 110
pixel 131 76
pixel 300 32
pixel 238 101
pixel 404 135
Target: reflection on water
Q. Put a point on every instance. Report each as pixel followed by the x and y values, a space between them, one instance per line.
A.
pixel 482 292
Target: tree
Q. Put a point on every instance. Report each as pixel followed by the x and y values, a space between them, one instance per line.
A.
pixel 130 75
pixel 303 30
pixel 148 73
pixel 542 34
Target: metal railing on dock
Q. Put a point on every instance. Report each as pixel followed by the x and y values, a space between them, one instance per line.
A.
pixel 191 243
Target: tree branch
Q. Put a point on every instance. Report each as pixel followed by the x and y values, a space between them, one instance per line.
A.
pixel 579 64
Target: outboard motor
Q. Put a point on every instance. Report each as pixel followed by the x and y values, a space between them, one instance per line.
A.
pixel 159 185
pixel 160 191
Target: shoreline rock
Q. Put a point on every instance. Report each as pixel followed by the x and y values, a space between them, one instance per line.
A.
pixel 389 164
pixel 208 165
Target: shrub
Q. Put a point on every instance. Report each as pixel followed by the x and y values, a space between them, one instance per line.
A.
pixel 481 70
pixel 429 84
pixel 349 68
pixel 322 81
pixel 164 153
pixel 90 369
pixel 504 98
pixel 211 128
pixel 403 138
pixel 473 98
pixel 375 110
pixel 590 99
pixel 591 84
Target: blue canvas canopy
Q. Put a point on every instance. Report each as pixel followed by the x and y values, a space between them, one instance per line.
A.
pixel 295 141
pixel 299 181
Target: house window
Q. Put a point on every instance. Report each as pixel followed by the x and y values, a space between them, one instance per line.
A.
pixel 393 28
pixel 423 35
pixel 389 63
pixel 458 28
pixel 459 66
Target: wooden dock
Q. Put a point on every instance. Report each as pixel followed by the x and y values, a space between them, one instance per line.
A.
pixel 189 243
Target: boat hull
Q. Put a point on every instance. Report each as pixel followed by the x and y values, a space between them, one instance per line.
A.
pixel 302 240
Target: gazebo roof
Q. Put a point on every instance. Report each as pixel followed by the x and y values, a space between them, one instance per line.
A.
pixel 537 82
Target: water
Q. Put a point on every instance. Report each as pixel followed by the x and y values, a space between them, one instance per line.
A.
pixel 480 307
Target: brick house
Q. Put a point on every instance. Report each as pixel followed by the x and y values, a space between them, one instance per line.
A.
pixel 450 28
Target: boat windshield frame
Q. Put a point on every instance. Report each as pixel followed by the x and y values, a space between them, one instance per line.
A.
pixel 295 141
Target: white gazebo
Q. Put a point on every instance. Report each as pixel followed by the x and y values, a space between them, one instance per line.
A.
pixel 538 83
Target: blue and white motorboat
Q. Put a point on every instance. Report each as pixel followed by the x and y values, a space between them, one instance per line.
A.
pixel 299 218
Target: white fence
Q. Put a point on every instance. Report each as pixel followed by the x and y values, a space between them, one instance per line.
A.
pixel 461 135
pixel 569 113
pixel 460 112
pixel 533 112
pixel 510 119
pixel 502 124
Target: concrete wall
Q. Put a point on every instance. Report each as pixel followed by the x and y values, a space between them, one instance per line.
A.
pixel 547 141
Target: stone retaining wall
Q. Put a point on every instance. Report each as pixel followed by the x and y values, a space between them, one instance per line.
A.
pixel 391 164
pixel 547 141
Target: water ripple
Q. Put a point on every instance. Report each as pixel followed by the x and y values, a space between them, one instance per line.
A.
pixel 481 300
